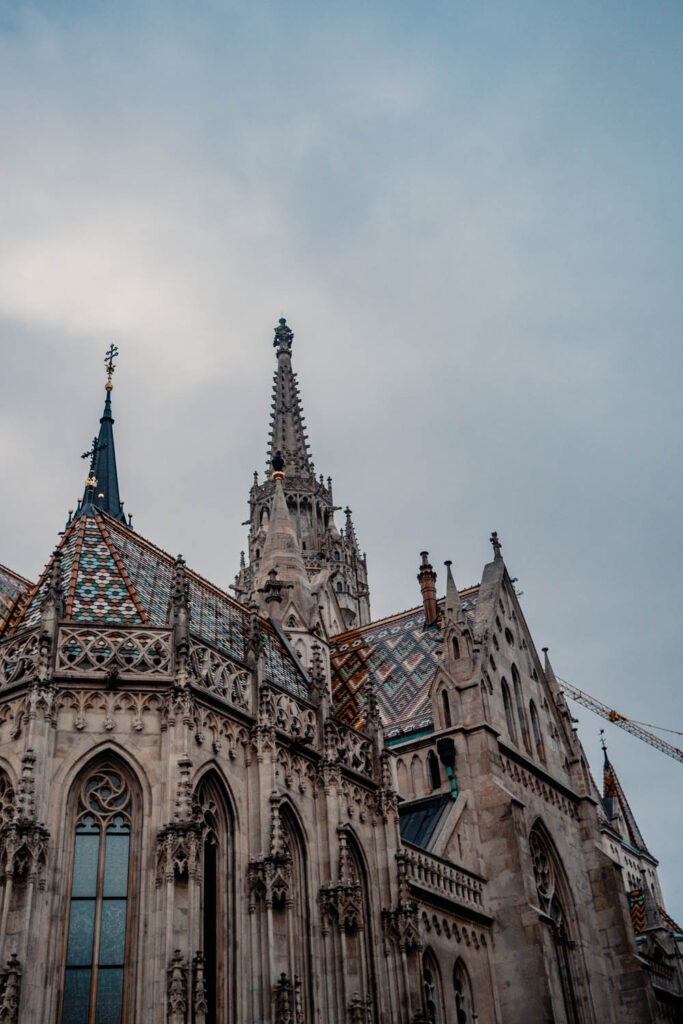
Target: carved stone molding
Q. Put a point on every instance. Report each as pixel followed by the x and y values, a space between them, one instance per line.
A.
pixel 269 880
pixel 401 926
pixel 176 989
pixel 359 1010
pixel 23 850
pixel 288 1006
pixel 343 904
pixel 10 990
pixel 200 1006
pixel 178 847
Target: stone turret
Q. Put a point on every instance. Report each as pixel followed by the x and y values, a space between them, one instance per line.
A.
pixel 331 558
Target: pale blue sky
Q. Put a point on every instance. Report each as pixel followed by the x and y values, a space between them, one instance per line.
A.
pixel 471 215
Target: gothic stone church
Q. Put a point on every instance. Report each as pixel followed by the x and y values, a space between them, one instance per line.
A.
pixel 263 807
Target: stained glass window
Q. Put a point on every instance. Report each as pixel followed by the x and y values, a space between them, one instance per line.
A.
pixel 98 911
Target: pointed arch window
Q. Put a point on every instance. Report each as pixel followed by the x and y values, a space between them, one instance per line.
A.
pixel 445 704
pixel 99 904
pixel 432 988
pixel 509 716
pixel 456 647
pixel 462 994
pixel 536 729
pixel 521 713
pixel 212 964
pixel 434 771
pixel 556 903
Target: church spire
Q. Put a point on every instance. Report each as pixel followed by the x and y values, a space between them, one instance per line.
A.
pixel 287 429
pixel 102 484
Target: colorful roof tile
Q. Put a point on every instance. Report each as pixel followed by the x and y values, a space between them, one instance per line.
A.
pixel 613 794
pixel 13 589
pixel 398 657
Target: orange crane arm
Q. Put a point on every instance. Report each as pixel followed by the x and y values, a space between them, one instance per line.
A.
pixel 624 723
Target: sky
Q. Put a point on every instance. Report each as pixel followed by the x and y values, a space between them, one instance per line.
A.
pixel 469 213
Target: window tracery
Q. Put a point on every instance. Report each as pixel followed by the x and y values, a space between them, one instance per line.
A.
pixel 462 994
pixel 99 900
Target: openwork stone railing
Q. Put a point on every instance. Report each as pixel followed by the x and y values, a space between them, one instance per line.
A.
pixel 294 717
pixel 91 650
pixel 349 747
pixel 219 675
pixel 18 658
pixel 435 875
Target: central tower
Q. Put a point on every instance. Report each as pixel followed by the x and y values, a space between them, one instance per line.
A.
pixel 333 564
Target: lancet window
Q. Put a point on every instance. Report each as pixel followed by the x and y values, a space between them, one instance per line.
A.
pixel 536 729
pixel 521 713
pixel 99 905
pixel 446 710
pixel 555 901
pixel 212 965
pixel 434 770
pixel 432 989
pixel 462 994
pixel 509 716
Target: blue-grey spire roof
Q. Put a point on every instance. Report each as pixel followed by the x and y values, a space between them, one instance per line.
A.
pixel 102 485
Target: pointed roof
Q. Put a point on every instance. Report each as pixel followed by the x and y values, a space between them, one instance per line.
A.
pixel 453 606
pixel 102 485
pixel 614 798
pixel 110 575
pixel 287 429
pixel 398 658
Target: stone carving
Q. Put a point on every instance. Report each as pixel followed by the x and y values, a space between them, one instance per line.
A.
pixel 176 989
pixel 200 1006
pixel 19 658
pixel 219 675
pixel 359 1010
pixel 288 1007
pixel 88 650
pixel 348 747
pixel 10 990
pixel 294 718
pixel 269 879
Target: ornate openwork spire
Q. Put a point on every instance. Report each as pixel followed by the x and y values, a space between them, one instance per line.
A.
pixel 102 484
pixel 287 430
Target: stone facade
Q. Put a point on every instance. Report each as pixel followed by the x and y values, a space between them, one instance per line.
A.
pixel 210 813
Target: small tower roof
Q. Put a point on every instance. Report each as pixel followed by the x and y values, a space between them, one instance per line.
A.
pixel 613 796
pixel 102 484
pixel 287 428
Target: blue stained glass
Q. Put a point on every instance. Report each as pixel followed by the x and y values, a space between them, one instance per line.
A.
pixel 85 865
pixel 116 865
pixel 81 921
pixel 109 996
pixel 113 931
pixel 76 997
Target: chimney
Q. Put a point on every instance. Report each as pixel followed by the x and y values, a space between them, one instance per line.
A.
pixel 427 578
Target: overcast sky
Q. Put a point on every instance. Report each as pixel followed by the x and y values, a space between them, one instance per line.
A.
pixel 470 214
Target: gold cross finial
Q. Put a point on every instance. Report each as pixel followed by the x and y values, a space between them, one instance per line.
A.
pixel 109 364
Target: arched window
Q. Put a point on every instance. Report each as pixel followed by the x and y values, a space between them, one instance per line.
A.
pixel 555 901
pixel 339 588
pixel 509 716
pixel 291 918
pixel 521 713
pixel 432 988
pixel 210 810
pixel 402 776
pixel 456 647
pixel 484 700
pixel 434 771
pixel 417 775
pixel 445 704
pixel 462 994
pixel 355 951
pixel 336 556
pixel 536 729
pixel 99 905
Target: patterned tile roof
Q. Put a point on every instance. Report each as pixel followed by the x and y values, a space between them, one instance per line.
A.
pixel 12 589
pixel 398 656
pixel 613 792
pixel 110 574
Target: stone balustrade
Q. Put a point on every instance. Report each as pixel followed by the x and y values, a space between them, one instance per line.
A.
pixel 429 872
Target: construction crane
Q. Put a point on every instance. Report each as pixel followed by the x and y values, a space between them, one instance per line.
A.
pixel 635 728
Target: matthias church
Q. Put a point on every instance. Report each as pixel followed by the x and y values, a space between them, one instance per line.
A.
pixel 259 805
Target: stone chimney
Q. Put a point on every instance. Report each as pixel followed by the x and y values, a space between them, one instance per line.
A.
pixel 427 578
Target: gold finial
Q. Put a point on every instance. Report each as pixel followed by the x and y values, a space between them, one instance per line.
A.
pixel 109 364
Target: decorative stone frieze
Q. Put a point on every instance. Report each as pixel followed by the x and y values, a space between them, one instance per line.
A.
pixel 288 1005
pixel 200 1006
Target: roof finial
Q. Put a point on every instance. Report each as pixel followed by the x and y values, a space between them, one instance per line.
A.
pixel 427 579
pixel 284 336
pixel 109 364
pixel 603 744
pixel 497 546
pixel 91 480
